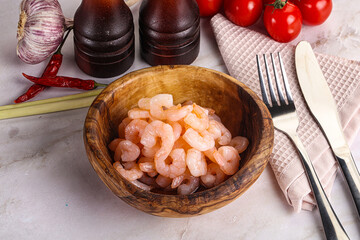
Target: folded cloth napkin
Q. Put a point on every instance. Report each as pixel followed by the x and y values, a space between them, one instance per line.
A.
pixel 238 47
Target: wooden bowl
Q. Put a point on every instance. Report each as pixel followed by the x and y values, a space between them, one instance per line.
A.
pixel 241 111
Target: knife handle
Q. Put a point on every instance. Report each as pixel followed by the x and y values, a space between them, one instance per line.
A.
pixel 332 226
pixel 351 174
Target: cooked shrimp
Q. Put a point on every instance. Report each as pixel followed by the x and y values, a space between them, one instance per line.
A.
pixel 144 103
pixel 188 185
pixel 158 102
pixel 122 126
pixel 128 165
pixel 230 162
pixel 131 174
pixel 214 117
pixel 163 181
pixel 239 143
pixel 137 113
pixel 214 155
pixel 141 185
pixel 197 119
pixel 152 174
pixel 213 177
pixel 183 125
pixel 147 165
pixel 134 130
pixel 181 143
pixel 150 181
pixel 196 162
pixel 215 128
pixel 176 181
pixel 202 142
pixel 175 113
pixel 126 151
pixel 172 166
pixel 177 129
pixel 152 132
pixel 114 143
pixel 150 151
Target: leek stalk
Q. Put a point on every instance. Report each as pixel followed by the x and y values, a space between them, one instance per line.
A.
pixel 49 105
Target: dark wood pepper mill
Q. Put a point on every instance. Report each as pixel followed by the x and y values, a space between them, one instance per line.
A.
pixel 169 31
pixel 104 37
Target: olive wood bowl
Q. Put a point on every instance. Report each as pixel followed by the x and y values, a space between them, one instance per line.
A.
pixel 241 111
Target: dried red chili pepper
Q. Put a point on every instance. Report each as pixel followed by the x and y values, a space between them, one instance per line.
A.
pixel 51 70
pixel 66 82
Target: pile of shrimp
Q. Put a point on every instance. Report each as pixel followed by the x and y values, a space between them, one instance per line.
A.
pixel 175 147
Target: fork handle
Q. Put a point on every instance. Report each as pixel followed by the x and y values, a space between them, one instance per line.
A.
pixel 332 226
pixel 351 174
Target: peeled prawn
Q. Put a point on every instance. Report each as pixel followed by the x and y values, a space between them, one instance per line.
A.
pixel 141 185
pixel 158 102
pixel 197 119
pixel 229 164
pixel 128 165
pixel 239 143
pixel 175 113
pixel 188 185
pixel 220 133
pixel 181 143
pixel 214 176
pixel 144 103
pixel 131 174
pixel 163 181
pixel 147 165
pixel 196 162
pixel 214 155
pixel 202 142
pixel 150 151
pixel 214 129
pixel 114 143
pixel 214 117
pixel 152 132
pixel 134 130
pixel 150 181
pixel 126 151
pixel 122 126
pixel 174 165
pixel 176 181
pixel 177 129
pixel 137 113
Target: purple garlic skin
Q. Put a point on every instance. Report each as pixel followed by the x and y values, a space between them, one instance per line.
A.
pixel 40 30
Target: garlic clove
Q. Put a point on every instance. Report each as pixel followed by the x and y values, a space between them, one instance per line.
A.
pixel 40 30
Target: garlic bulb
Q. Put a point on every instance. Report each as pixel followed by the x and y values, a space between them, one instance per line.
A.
pixel 40 29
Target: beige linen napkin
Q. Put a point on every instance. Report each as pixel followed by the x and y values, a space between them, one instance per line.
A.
pixel 238 47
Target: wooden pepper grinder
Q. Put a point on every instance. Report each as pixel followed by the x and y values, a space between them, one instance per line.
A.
pixel 104 37
pixel 169 31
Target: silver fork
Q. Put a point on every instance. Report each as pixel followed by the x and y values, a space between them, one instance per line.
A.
pixel 285 120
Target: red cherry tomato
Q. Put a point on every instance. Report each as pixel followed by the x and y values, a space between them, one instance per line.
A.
pixel 314 12
pixel 209 7
pixel 243 12
pixel 283 24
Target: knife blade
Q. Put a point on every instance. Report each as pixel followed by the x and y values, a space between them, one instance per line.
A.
pixel 322 105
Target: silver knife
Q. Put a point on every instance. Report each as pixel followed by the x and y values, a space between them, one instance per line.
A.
pixel 322 105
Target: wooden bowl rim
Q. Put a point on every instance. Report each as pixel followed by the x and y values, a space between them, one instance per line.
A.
pixel 128 78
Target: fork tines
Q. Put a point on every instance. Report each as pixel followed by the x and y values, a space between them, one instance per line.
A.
pixel 280 94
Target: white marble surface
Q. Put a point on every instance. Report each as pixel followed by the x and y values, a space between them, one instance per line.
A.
pixel 50 191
